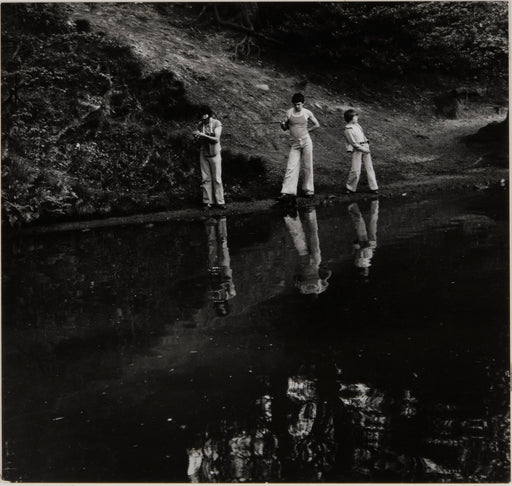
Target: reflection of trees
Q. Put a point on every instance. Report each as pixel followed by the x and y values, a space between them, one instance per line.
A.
pixel 310 430
pixel 360 433
pixel 235 452
pixel 94 282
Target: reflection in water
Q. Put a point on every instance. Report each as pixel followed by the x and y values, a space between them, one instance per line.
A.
pixel 366 242
pixel 361 431
pixel 366 408
pixel 310 429
pixel 307 244
pixel 222 287
pixel 116 331
pixel 237 452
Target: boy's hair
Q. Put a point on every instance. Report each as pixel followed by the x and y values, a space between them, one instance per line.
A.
pixel 349 114
pixel 205 110
pixel 298 98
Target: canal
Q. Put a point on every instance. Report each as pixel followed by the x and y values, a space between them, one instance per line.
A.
pixel 363 342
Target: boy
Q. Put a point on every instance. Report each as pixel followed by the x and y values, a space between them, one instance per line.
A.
pixel 357 145
pixel 301 148
pixel 208 133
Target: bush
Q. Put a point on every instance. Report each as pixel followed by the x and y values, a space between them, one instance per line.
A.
pixel 29 191
pixel 36 18
pixel 77 111
pixel 465 39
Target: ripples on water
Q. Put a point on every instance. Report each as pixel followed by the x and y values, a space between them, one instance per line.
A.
pixel 359 343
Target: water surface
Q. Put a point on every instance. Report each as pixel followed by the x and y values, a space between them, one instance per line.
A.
pixel 355 343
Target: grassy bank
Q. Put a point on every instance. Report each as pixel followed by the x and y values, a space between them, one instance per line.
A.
pixel 98 103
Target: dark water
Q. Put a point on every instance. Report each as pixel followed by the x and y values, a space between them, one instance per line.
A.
pixel 367 343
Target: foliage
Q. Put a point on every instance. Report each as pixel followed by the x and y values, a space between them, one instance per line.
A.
pixel 83 129
pixel 465 39
pixel 28 190
pixel 39 19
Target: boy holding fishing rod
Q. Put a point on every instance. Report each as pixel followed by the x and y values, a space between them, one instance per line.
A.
pixel 208 133
pixel 301 148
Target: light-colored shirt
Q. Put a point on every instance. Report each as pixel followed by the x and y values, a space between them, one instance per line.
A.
pixel 298 123
pixel 355 137
pixel 210 148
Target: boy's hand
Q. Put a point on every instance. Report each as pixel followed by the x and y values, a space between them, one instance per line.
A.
pixel 284 125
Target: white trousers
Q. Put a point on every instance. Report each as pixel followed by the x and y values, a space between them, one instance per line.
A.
pixel 300 149
pixel 211 176
pixel 355 171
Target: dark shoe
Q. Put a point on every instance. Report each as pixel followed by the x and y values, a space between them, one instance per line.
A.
pixel 207 206
pixel 348 191
pixel 309 196
pixel 374 191
pixel 221 206
pixel 285 198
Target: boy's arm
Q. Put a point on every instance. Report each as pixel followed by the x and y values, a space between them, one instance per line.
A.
pixel 217 133
pixel 349 135
pixel 216 137
pixel 314 120
pixel 284 124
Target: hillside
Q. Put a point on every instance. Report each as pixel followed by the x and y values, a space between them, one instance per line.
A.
pixel 120 125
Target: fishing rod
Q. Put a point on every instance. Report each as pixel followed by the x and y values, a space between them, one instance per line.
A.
pixel 268 122
pixel 263 122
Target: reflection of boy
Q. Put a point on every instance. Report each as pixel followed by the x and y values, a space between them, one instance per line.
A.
pixel 358 145
pixel 366 241
pixel 307 245
pixel 219 265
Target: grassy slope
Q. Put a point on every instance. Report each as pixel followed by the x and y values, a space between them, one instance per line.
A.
pixel 408 141
pixel 139 156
